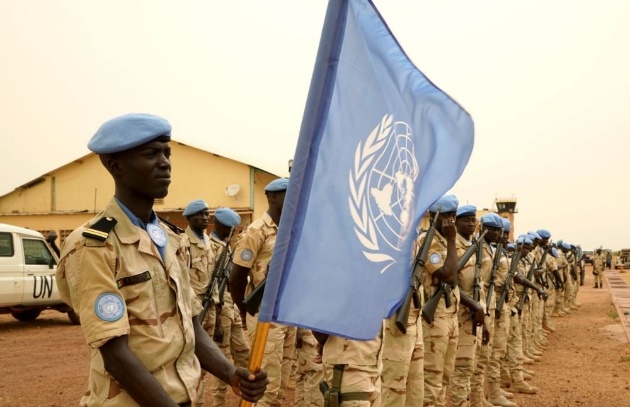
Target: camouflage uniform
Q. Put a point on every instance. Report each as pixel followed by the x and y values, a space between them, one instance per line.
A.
pixel 563 269
pixel 253 250
pixel 234 343
pixel 514 365
pixel 572 283
pixel 467 342
pixel 361 374
pixel 440 338
pixel 598 268
pixel 500 336
pixel 403 362
pixel 158 310
pixel 309 372
pixel 201 273
pixel 550 266
pixel 477 381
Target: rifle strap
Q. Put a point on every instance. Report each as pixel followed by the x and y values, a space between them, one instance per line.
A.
pixel 336 388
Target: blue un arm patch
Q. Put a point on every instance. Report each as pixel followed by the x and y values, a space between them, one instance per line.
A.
pixel 109 307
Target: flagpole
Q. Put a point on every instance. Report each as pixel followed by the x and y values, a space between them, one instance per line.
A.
pixel 315 112
pixel 258 351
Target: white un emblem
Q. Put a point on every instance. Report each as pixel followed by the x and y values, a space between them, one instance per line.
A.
pixel 381 187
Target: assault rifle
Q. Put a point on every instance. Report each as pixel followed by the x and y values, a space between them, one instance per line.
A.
pixel 429 308
pixel 253 300
pixel 477 280
pixel 476 247
pixel 516 257
pixel 543 278
pixel 402 314
pixel 525 294
pixel 493 275
pixel 219 272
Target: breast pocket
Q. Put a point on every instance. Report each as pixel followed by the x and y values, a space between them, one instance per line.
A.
pixel 137 287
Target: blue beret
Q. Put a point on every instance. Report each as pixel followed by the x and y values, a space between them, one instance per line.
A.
pixel 534 234
pixel 544 233
pixel 565 245
pixel 447 202
pixel 194 207
pixel 554 252
pixel 510 246
pixel 524 240
pixel 128 131
pixel 492 219
pixel 227 217
pixel 277 185
pixel 507 226
pixel 466 210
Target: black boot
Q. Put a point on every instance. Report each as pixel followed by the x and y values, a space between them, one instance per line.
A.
pixel 595 286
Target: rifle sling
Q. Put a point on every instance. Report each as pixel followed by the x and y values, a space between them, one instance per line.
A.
pixel 336 385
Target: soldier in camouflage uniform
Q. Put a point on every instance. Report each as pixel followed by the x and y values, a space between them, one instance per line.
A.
pixel 252 256
pixel 310 372
pixel 352 368
pixel 125 273
pixel 228 331
pixel 459 387
pixel 598 268
pixel 440 276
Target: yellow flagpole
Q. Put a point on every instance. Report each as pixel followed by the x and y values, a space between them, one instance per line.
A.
pixel 258 351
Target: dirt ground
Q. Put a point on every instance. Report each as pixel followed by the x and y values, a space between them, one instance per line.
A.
pixel 44 363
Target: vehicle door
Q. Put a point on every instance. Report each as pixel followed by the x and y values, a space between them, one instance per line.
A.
pixel 39 272
pixel 11 270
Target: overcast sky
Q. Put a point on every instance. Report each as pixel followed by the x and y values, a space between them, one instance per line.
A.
pixel 546 82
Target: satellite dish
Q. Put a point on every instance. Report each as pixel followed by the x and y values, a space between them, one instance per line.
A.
pixel 232 190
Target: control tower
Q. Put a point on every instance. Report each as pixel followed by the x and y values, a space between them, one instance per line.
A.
pixel 506 208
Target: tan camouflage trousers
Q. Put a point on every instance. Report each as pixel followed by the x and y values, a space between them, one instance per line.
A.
pixel 440 348
pixel 277 360
pixel 234 346
pixel 599 278
pixel 358 378
pixel 309 374
pixel 514 361
pixel 464 367
pixel 207 324
pixel 477 381
pixel 550 304
pixel 499 346
pixel 526 329
pixel 403 363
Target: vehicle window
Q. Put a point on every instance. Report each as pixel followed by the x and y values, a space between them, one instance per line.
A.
pixel 6 245
pixel 36 252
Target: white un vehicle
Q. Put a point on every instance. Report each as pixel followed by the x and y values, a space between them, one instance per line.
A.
pixel 27 275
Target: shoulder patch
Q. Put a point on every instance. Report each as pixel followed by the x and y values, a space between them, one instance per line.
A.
pixel 435 258
pixel 100 230
pixel 109 307
pixel 246 255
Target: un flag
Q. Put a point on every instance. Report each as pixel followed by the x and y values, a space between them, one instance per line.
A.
pixel 379 144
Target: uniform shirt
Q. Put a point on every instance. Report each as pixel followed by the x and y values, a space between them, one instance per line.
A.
pixel 598 262
pixel 123 287
pixel 434 261
pixel 200 269
pixel 254 248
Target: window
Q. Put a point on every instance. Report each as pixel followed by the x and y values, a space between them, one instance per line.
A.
pixel 6 245
pixel 36 252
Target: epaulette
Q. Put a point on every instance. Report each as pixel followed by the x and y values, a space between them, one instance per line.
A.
pixel 100 230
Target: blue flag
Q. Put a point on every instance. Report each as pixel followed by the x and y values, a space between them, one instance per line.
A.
pixel 379 143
